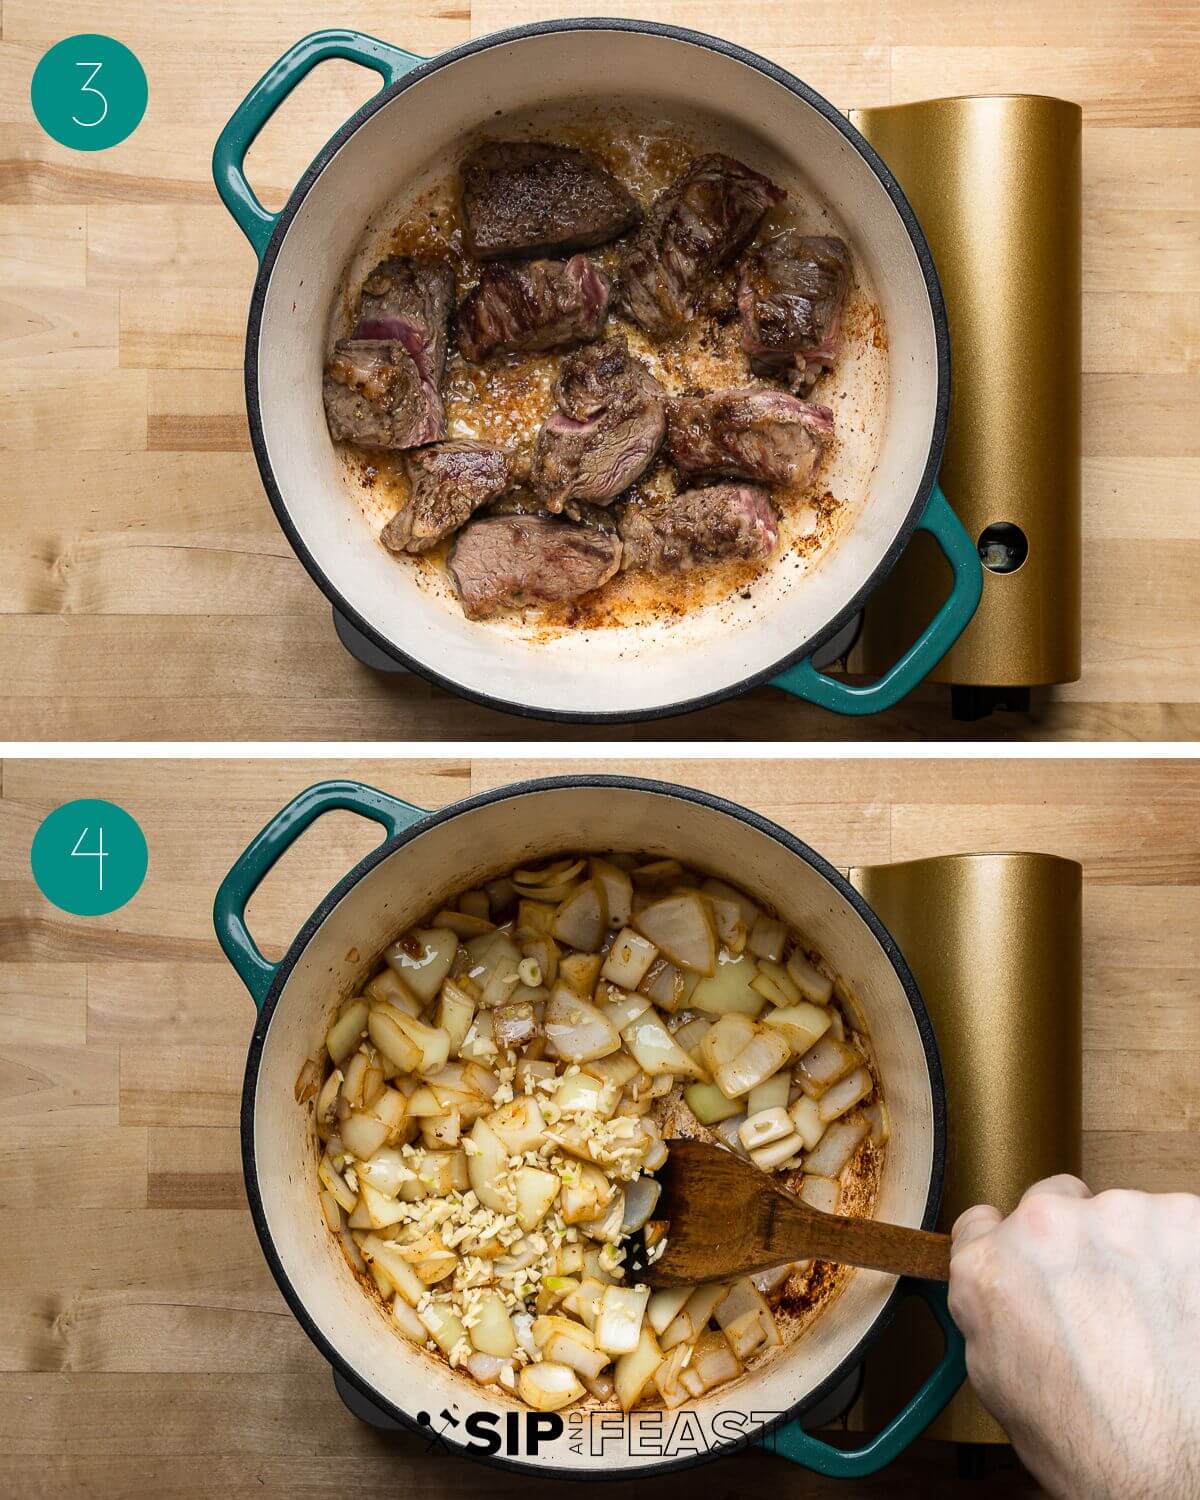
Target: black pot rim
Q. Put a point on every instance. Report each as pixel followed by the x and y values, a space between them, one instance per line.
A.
pixel 668 790
pixel 937 310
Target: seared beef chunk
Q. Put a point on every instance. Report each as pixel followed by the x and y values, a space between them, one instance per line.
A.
pixel 533 305
pixel 410 300
pixel 447 482
pixel 791 297
pixel 699 526
pixel 500 561
pixel 382 385
pixel 375 397
pixel 698 225
pixel 530 198
pixel 609 424
pixel 748 434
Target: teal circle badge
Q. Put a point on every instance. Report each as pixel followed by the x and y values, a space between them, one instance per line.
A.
pixel 89 92
pixel 89 857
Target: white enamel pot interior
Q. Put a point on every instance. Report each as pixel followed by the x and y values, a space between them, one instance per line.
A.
pixel 412 134
pixel 475 840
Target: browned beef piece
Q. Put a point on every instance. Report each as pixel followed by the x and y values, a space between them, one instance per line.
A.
pixel 447 483
pixel 532 198
pixel 792 292
pixel 699 526
pixel 500 561
pixel 528 306
pixel 607 428
pixel 410 301
pixel 748 434
pixel 383 385
pixel 375 397
pixel 698 225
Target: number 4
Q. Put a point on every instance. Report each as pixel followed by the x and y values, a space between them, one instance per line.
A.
pixel 88 89
pixel 98 853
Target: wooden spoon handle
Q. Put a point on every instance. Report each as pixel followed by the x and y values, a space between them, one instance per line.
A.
pixel 857 1242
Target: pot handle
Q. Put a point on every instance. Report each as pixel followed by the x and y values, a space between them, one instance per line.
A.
pixel 260 855
pixel 793 1443
pixel 805 681
pixel 264 99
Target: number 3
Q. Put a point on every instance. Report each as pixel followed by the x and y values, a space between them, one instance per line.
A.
pixel 88 89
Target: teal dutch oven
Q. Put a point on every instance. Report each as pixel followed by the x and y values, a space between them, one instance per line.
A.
pixel 411 133
pixel 424 858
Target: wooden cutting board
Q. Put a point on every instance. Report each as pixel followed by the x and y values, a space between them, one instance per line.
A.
pixel 148 592
pixel 144 1348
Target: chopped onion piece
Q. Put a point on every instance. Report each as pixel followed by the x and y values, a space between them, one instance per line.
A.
pixel 709 1104
pixel 730 988
pixel 628 959
pixel 554 873
pixel 845 1094
pixel 513 1025
pixel 463 924
pixel 774 1093
pixel 747 911
pixel 664 1306
pixel 774 1155
pixel 621 1007
pixel 408 1284
pixel 655 1049
pixel 806 1118
pixel 362 1135
pixel 536 1190
pixel 764 1128
pixel 635 1371
pixel 582 920
pixel 731 930
pixel 618 890
pixel 577 1029
pixel 712 1364
pixel 767 938
pixel 763 1055
pixel 877 1113
pixel 722 1042
pixel 824 1064
pixel 641 1197
pixel 308 1081
pixel 821 1193
pixel 547 1386
pixel 423 958
pixel 619 1319
pixel 693 1315
pixel 681 927
pixel 812 984
pixel 491 1330
pixel 327 1098
pixel 670 987
pixel 726 1132
pixel 802 1024
pixel 342 1037
pixel 839 1143
pixel 408 1322
pixel 485 1165
pixel 485 1368
pixel 336 1184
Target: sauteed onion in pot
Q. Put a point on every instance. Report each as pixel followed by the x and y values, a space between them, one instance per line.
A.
pixel 491 1107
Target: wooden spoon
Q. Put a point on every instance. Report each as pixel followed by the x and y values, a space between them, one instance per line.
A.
pixel 728 1218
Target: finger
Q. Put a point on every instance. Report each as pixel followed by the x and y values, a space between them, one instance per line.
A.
pixel 1063 1186
pixel 973 1224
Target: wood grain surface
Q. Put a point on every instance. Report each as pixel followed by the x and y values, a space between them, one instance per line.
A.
pixel 148 592
pixel 144 1348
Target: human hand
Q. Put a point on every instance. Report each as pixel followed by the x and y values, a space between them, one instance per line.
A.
pixel 1081 1316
